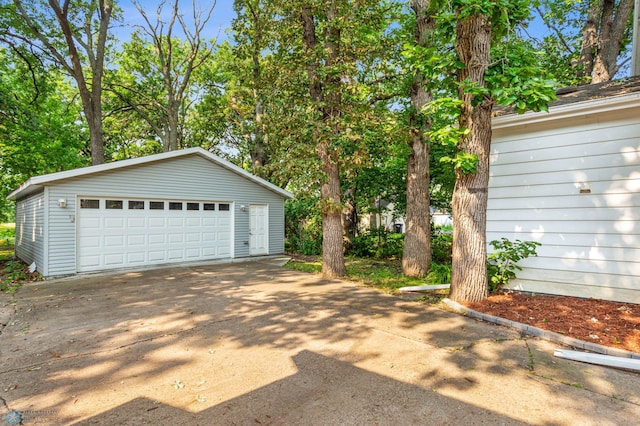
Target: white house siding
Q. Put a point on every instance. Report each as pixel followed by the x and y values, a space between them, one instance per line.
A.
pixel 161 180
pixel 590 240
pixel 30 230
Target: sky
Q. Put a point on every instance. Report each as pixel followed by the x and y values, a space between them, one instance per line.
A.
pixel 221 17
pixel 220 21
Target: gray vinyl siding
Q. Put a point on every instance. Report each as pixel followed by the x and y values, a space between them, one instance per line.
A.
pixel 30 231
pixel 184 178
pixel 276 228
pixel 590 239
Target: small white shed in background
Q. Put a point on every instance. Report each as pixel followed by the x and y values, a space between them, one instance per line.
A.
pixel 570 179
pixel 179 206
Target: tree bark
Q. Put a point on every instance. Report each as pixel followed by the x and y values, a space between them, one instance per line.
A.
pixel 349 217
pixel 469 204
pixel 590 38
pixel 416 254
pixel 324 93
pixel 612 29
pixel 90 95
pixel 602 38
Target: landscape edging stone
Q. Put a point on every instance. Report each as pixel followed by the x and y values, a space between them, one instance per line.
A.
pixel 543 334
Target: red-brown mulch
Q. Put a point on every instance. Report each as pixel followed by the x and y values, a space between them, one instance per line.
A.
pixel 599 321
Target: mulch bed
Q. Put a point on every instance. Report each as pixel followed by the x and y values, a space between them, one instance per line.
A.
pixel 603 322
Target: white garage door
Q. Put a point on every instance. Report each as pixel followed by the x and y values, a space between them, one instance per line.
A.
pixel 118 233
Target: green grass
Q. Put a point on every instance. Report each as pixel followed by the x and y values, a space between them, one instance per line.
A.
pixel 7 240
pixel 385 275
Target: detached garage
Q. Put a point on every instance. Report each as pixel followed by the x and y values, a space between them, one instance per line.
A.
pixel 179 206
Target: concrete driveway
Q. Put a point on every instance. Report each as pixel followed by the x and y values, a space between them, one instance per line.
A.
pixel 252 343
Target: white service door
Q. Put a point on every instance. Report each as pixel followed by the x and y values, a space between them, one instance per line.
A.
pixel 258 229
pixel 118 233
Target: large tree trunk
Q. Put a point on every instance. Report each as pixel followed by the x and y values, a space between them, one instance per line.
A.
pixel 324 92
pixel 469 205
pixel 416 254
pixel 332 248
pixel 96 137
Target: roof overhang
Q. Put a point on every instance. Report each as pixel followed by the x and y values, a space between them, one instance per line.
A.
pixel 36 183
pixel 567 111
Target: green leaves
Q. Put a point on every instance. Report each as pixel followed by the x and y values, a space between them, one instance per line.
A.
pixel 465 162
pixel 518 79
pixel 501 264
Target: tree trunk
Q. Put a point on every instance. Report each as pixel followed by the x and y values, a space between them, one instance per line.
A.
pixel 590 38
pixel 172 125
pixel 416 254
pixel 96 137
pixel 91 97
pixel 602 38
pixel 349 217
pixel 332 248
pixel 469 205
pixel 324 93
pixel 257 146
pixel 612 29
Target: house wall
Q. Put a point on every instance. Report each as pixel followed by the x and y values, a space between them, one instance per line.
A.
pixel 161 180
pixel 30 231
pixel 590 239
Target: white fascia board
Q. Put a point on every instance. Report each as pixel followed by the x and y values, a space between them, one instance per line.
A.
pixel 36 182
pixel 594 106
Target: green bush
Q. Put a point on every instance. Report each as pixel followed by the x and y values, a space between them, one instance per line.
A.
pixel 303 226
pixel 439 273
pixel 441 243
pixel 378 243
pixel 501 264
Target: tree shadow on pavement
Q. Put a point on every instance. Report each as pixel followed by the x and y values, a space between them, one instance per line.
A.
pixel 253 332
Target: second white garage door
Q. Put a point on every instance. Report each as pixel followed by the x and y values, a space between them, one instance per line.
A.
pixel 119 233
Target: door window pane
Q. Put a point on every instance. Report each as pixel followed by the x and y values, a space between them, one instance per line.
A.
pixel 223 207
pixel 175 206
pixel 156 205
pixel 208 206
pixel 89 204
pixel 114 204
pixel 136 205
pixel 193 206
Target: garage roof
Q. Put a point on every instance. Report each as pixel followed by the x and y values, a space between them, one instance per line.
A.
pixel 37 182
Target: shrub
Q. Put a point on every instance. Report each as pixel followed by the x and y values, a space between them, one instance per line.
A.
pixel 501 264
pixel 441 243
pixel 378 243
pixel 303 226
pixel 439 274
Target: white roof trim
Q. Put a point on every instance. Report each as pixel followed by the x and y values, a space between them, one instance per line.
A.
pixel 36 182
pixel 612 103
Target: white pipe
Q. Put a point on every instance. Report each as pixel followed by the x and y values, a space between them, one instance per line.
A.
pixel 424 287
pixel 607 360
